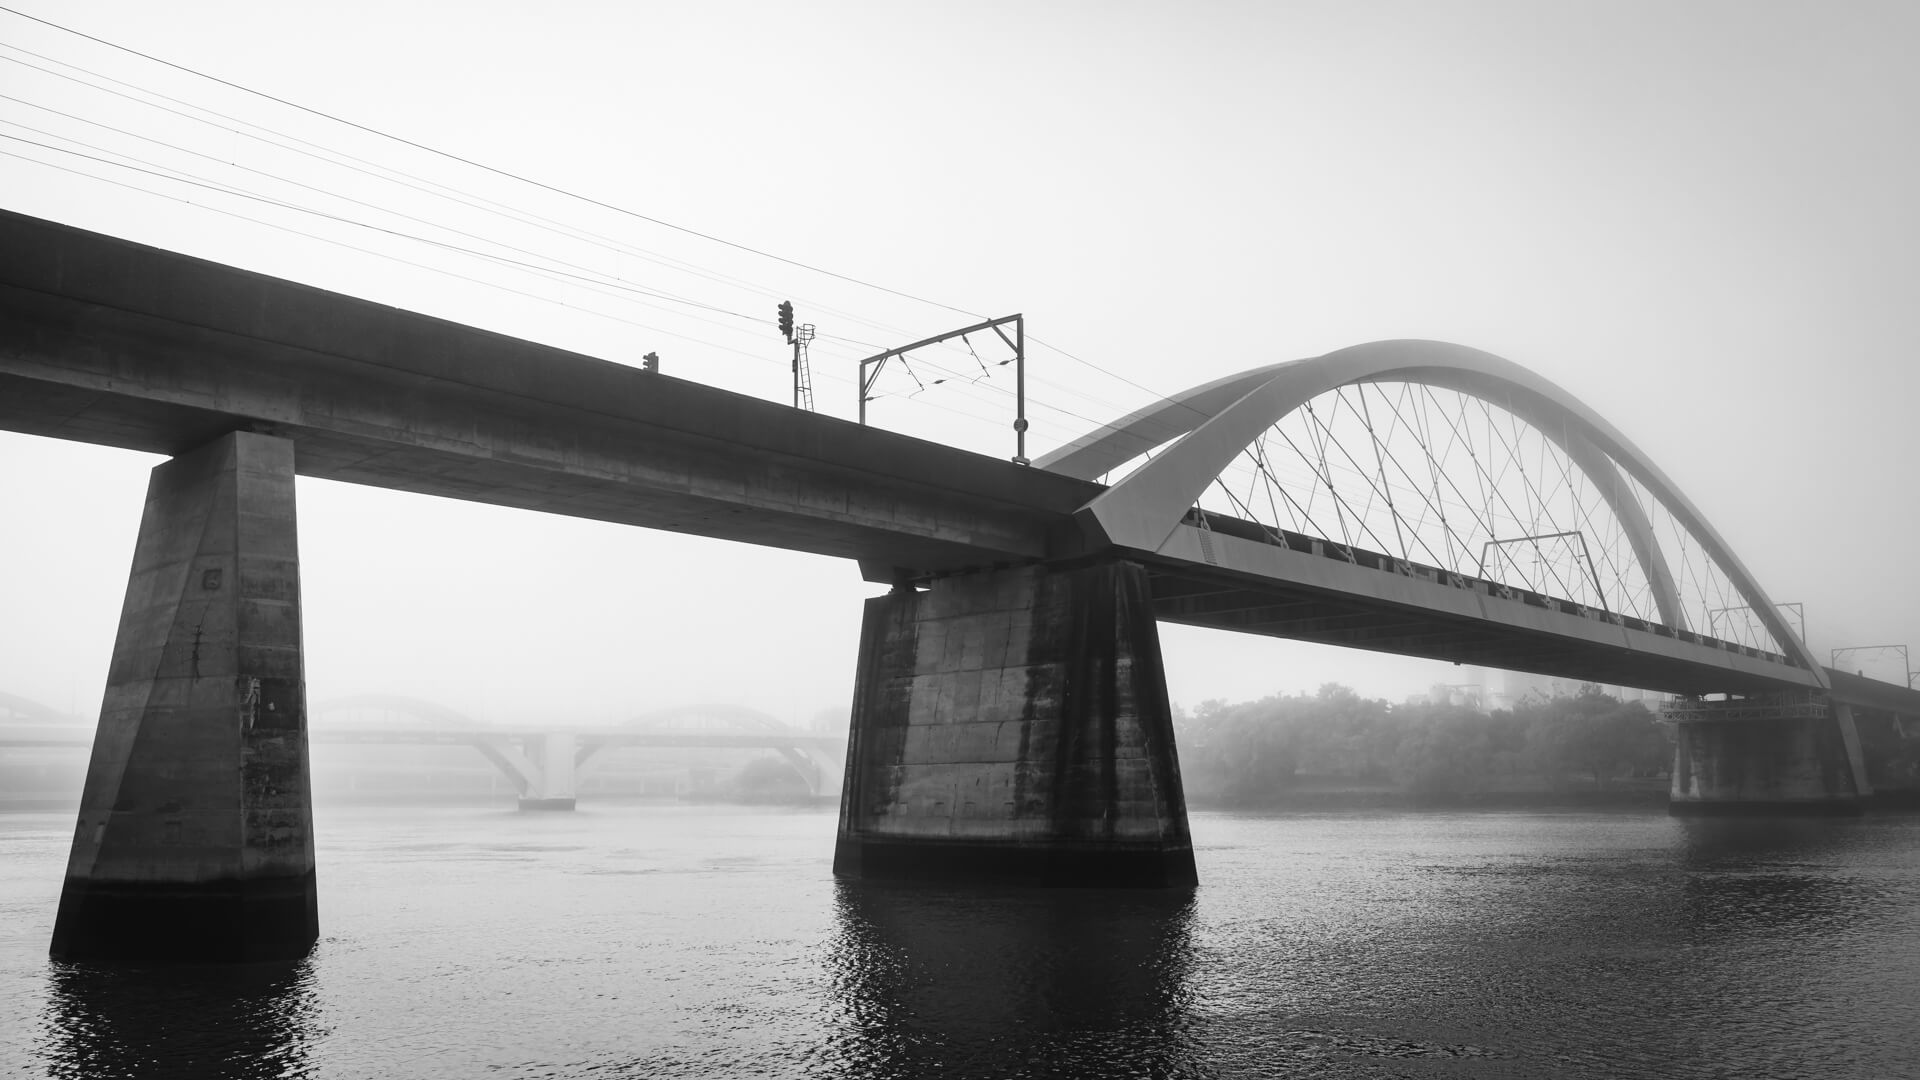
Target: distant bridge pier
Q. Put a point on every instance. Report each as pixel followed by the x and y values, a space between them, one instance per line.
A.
pixel 828 775
pixel 1013 725
pixel 195 831
pixel 553 782
pixel 1786 753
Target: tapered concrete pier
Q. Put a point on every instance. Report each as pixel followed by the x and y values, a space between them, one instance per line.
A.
pixel 1013 726
pixel 195 833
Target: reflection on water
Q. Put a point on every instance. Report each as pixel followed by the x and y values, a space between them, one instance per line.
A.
pixel 1025 982
pixel 1730 842
pixel 650 942
pixel 1777 875
pixel 208 1022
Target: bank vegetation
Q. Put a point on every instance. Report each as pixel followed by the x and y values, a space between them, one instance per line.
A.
pixel 1335 745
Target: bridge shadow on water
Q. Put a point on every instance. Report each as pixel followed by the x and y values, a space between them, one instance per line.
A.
pixel 207 1022
pixel 934 982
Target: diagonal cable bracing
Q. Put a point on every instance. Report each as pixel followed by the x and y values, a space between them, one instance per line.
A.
pixel 1513 455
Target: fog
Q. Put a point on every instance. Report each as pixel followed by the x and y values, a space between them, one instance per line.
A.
pixel 1697 219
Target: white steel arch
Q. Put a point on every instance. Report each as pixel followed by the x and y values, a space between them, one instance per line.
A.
pixel 1214 422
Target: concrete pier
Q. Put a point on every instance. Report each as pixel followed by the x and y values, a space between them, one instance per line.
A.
pixel 1013 726
pixel 553 786
pixel 1743 757
pixel 195 832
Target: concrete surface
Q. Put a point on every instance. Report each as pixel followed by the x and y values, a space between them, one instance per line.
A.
pixel 195 831
pixel 1014 725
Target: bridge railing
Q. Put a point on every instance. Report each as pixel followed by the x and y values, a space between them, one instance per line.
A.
pixel 1781 705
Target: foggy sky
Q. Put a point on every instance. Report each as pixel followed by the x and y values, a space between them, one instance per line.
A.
pixel 1696 218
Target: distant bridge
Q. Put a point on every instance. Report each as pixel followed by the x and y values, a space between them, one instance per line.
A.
pixel 544 763
pixel 15 709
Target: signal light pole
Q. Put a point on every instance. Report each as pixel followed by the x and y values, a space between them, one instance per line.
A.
pixel 802 371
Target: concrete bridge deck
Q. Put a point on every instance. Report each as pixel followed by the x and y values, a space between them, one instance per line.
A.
pixel 110 342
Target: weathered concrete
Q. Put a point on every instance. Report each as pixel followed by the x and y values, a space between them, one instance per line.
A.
pixel 195 832
pixel 1013 725
pixel 1793 765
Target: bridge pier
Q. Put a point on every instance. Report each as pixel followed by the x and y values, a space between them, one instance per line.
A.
pixel 830 774
pixel 553 784
pixel 1767 755
pixel 195 832
pixel 1013 725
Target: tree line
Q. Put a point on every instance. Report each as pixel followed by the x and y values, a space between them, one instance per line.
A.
pixel 1264 750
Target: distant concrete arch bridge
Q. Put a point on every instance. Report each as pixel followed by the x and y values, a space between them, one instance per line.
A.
pixel 544 763
pixel 15 709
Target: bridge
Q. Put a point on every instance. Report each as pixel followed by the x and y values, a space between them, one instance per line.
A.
pixel 542 763
pixel 1010 717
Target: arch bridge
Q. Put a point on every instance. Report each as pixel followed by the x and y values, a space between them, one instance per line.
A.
pixel 544 764
pixel 1010 716
pixel 1431 500
pixel 1413 497
pixel 15 709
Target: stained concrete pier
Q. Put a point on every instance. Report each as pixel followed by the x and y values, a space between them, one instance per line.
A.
pixel 195 832
pixel 1013 725
pixel 1742 758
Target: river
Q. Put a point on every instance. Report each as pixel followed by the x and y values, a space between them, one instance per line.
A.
pixel 657 940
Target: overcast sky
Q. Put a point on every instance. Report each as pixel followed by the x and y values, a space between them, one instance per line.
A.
pixel 1697 218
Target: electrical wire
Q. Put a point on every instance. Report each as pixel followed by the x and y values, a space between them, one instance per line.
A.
pixel 418 183
pixel 572 195
pixel 484 167
pixel 948 408
pixel 560 269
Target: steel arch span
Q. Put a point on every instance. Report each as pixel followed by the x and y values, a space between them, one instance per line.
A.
pixel 1444 465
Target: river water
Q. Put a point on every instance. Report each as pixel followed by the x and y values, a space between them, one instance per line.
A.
pixel 651 940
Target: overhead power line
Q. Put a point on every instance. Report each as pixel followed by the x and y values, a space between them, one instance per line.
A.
pixel 386 173
pixel 541 185
pixel 487 168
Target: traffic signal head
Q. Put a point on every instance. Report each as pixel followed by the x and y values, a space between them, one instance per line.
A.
pixel 650 362
pixel 786 320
